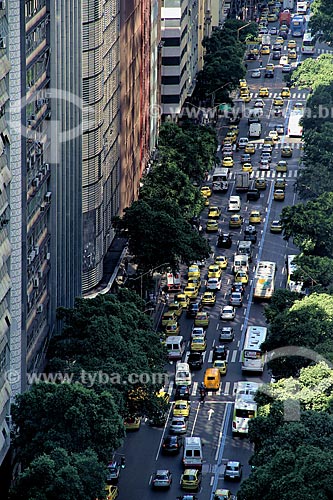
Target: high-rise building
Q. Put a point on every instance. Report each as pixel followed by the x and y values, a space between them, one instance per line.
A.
pixel 5 225
pixel 155 73
pixel 135 60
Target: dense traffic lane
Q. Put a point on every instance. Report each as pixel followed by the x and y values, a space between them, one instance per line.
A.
pixel 212 420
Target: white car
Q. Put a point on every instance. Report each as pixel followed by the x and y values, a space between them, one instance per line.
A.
pixel 178 425
pixel 259 103
pixel 228 313
pixel 267 148
pixel 264 165
pixel 298 105
pixel 286 68
pixel 283 60
pixel 227 149
pixel 243 142
pixel 266 156
pixel 198 331
pixel 213 284
pixel 256 73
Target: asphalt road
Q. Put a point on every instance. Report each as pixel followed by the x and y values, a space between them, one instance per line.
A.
pixel 212 420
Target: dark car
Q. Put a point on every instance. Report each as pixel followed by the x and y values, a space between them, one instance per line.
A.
pixel 246 158
pixel 233 471
pixel 224 241
pixel 276 55
pixel 193 309
pixel 220 352
pixel 195 360
pixel 182 392
pixel 113 472
pixel 172 444
pixel 187 497
pixel 227 334
pixel 250 234
pixel 269 73
pixel 238 287
pixel 253 195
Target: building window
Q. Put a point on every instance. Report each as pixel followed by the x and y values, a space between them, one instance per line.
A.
pixel 170 99
pixel 170 80
pixel 171 42
pixel 170 61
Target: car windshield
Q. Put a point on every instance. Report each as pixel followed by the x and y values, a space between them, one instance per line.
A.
pixel 161 476
pixel 232 467
pixel 189 477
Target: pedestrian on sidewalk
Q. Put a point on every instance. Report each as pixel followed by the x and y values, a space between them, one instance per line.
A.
pixel 167 298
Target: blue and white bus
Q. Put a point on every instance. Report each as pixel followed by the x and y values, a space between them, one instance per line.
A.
pixel 297 26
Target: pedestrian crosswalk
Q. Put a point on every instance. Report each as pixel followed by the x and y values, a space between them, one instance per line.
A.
pixel 279 145
pixel 225 389
pixel 273 95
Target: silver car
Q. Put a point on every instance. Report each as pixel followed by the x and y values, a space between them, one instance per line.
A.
pixel 213 284
pixel 178 425
pixel 236 299
pixel 228 313
pixel 233 471
pixel 266 156
pixel 227 334
pixel 162 479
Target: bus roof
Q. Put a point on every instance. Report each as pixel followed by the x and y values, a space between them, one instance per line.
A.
pixel 265 268
pixel 245 391
pixel 245 405
pixel 255 336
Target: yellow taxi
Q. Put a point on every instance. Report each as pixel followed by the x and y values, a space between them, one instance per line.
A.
pixel 234 128
pixel 255 217
pixel 263 92
pixel 292 44
pixel 168 316
pixel 227 162
pixel 285 92
pixel 221 365
pixel 191 291
pixel 212 226
pixel 194 281
pixel 223 495
pixel 214 212
pixel 176 307
pixel 280 183
pixel 193 271
pixel 111 492
pixel 201 319
pixel 206 202
pixel 227 140
pixel 271 18
pixel 242 277
pixel 246 97
pixel 132 423
pixel 244 90
pixel 242 83
pixel 269 140
pixel 276 227
pixel 247 167
pixel 182 299
pixel 221 261
pixel 292 54
pixel 278 101
pixel 286 151
pixel 181 408
pixel 214 271
pixel 270 67
pixel 279 40
pixel 231 134
pixel 235 220
pixel 279 195
pixel 274 135
pixel 260 183
pixel 190 480
pixel 206 191
pixel 172 328
pixel 198 343
pixel 249 148
pixel 282 166
pixel 265 50
pixel 208 299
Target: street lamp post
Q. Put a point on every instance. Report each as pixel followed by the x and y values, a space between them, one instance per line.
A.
pixel 241 28
pixel 213 94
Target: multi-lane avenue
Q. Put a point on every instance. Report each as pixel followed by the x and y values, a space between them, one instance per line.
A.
pixel 212 421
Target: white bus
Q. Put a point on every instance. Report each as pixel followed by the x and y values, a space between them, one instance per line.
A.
pixel 220 179
pixel 264 280
pixel 245 407
pixel 301 7
pixel 253 358
pixel 295 129
pixel 308 44
pixel 293 286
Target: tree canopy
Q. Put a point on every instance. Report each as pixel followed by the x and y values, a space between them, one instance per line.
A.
pixel 321 21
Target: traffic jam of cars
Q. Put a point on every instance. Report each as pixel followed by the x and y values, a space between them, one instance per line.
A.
pixel 204 323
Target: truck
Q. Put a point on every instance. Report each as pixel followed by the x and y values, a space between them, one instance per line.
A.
pixel 220 180
pixel 173 281
pixel 285 17
pixel 288 4
pixel 255 130
pixel 242 181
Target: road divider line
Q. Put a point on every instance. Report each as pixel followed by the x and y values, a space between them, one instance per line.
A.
pixel 195 418
pixel 221 443
pixel 163 433
pixel 227 388
pixel 234 355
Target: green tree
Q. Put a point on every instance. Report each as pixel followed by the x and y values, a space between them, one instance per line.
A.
pixel 321 21
pixel 315 73
pixel 308 323
pixel 67 416
pixel 159 235
pixel 61 476
pixel 318 114
pixel 282 300
pixel 315 272
pixel 310 225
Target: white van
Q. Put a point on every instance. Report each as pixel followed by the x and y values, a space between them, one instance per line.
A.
pixel 183 374
pixel 234 204
pixel 241 263
pixel 245 248
pixel 255 130
pixel 193 456
pixel 175 346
